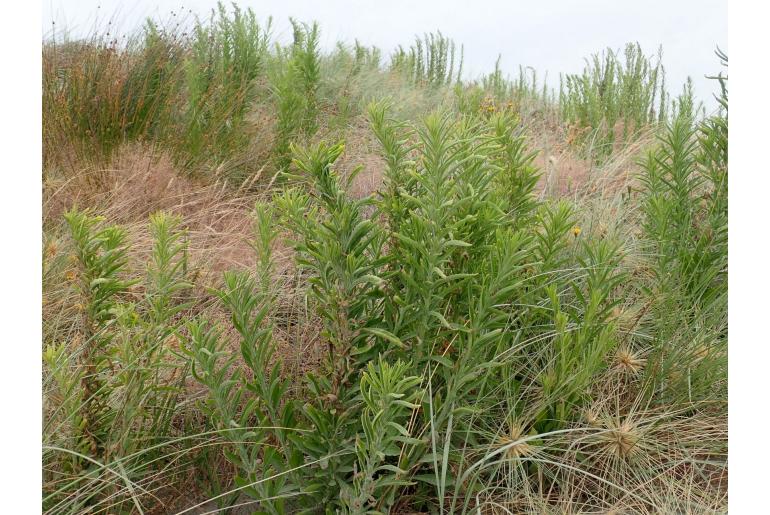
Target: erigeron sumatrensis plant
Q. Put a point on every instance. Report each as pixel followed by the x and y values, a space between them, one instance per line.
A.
pixel 430 296
pixel 115 386
pixel 685 222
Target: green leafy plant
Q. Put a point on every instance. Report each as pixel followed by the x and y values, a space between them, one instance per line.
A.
pixel 685 209
pixel 295 82
pixel 455 341
pixel 388 396
pixel 226 57
pixel 613 99
pixel 430 61
pixel 116 388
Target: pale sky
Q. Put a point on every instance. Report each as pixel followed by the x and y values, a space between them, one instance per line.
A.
pixel 549 35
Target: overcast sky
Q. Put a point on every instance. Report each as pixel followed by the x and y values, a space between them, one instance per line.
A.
pixel 549 35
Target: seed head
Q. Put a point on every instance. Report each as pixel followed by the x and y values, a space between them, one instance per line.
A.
pixel 629 361
pixel 513 449
pixel 592 417
pixel 620 438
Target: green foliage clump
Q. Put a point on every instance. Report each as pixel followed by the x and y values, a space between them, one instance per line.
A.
pixel 472 343
pixel 685 210
pixel 226 57
pixel 430 61
pixel 113 389
pixel 628 90
pixel 469 285
pixel 295 81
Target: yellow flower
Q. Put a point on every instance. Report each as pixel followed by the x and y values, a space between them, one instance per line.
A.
pixel 576 231
pixel 70 275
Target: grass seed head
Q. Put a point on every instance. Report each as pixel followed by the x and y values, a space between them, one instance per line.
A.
pixel 621 438
pixel 515 449
pixel 629 361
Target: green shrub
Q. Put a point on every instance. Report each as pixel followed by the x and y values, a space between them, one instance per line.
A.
pixel 226 57
pixel 477 349
pixel 613 99
pixel 685 210
pixel 430 299
pixel 430 61
pixel 114 391
pixel 295 81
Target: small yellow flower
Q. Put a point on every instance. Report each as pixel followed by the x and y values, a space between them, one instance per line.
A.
pixel 576 231
pixel 70 275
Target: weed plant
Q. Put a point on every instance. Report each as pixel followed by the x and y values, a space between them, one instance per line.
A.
pixel 114 388
pixel 480 347
pixel 295 81
pixel 614 97
pixel 430 61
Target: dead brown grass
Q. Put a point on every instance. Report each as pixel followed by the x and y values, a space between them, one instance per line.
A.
pixel 566 174
pixel 218 222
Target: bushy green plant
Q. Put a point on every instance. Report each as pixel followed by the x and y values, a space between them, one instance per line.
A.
pixel 295 81
pixel 227 55
pixel 685 209
pixel 101 253
pixel 473 345
pixel 430 61
pixel 434 291
pixel 612 90
pixel 388 396
pixel 114 390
